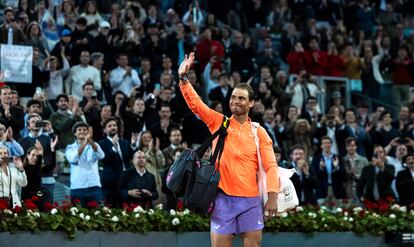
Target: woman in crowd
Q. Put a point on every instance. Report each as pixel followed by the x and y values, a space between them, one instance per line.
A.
pixel 12 175
pixel 35 167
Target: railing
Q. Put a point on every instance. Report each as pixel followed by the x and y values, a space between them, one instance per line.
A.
pixel 329 84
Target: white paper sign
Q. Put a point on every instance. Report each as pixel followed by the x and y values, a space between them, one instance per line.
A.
pixel 16 63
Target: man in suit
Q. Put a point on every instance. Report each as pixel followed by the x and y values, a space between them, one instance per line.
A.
pixel 329 127
pixel 375 181
pixel 330 173
pixel 354 163
pixel 405 182
pixel 118 154
pixel 10 116
pixel 303 179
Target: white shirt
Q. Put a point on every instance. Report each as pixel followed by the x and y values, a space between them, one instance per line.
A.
pixel 84 171
pixel 398 166
pixel 120 82
pixel 331 134
pixel 78 76
pixel 56 81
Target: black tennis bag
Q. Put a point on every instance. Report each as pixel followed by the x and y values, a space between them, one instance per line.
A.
pixel 197 179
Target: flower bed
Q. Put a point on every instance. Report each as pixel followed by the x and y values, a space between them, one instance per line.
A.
pixel 70 219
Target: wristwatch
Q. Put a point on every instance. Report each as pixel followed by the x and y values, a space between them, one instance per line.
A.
pixel 184 78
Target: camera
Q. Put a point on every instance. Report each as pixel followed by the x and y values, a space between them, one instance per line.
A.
pixel 40 124
pixel 7 159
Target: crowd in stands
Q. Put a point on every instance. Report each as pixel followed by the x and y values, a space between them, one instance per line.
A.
pixel 104 99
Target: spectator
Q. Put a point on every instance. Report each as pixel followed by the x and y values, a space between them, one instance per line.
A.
pixel 384 132
pixel 303 179
pixel 83 156
pixel 301 90
pixel 118 153
pixel 12 175
pixel 10 116
pixel 80 74
pixel 64 118
pixel 10 24
pixel 91 13
pixel 55 85
pixel 405 182
pixel 124 78
pixel 375 181
pixel 137 185
pixel 36 168
pixel 330 172
pixel 91 107
pixel 353 163
pixel 7 140
pixel 402 78
pixel 317 59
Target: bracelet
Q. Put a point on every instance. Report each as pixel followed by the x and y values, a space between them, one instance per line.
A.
pixel 184 78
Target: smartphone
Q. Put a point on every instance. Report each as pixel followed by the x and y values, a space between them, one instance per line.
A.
pixel 157 86
pixel 40 124
pixel 93 97
pixel 7 159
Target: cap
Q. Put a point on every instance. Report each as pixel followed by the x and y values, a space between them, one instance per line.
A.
pixel 336 94
pixel 104 24
pixel 65 32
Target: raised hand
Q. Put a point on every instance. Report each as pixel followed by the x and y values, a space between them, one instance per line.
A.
pixel 53 144
pixel 39 146
pixel 186 64
pixel 9 134
pixel 18 163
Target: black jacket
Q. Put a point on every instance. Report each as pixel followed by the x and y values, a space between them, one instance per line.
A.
pixel 130 179
pixel 405 187
pixel 365 186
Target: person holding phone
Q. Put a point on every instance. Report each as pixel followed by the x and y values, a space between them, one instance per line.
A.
pixel 137 185
pixel 12 175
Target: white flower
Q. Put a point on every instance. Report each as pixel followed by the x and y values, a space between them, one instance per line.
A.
pixel 29 211
pixel 175 221
pixel 325 225
pixel 114 219
pixel 395 207
pixel 159 206
pixel 107 215
pixel 53 211
pixel 323 219
pixel 172 212
pixel 7 211
pixel 97 212
pixel 36 214
pixel 186 211
pixel 151 211
pixel 339 210
pixel 351 219
pixel 284 215
pixel 74 209
pixel 73 213
pixel 124 213
pixel 106 210
pixel 138 209
pixel 346 213
pixel 345 218
pixel 312 215
pixel 299 209
pixel 357 209
pixel 403 209
pixel 323 208
pixel 392 216
pixel 87 217
pixel 82 215
pixel 137 215
pixel 376 215
pixel 15 214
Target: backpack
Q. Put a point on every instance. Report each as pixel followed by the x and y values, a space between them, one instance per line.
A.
pixel 197 179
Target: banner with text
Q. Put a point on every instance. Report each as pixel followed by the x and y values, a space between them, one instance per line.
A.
pixel 16 63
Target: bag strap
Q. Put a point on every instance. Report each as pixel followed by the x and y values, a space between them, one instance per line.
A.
pixel 222 131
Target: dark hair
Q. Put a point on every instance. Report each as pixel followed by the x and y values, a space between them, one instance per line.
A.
pixel 246 87
pixel 62 96
pixel 326 138
pixel 81 21
pixel 173 128
pixel 4 87
pixel 384 114
pixel 277 150
pixel 311 98
pixel 109 120
pixel 78 125
pixel 88 83
pixel 121 54
pixel 294 147
pixel 409 154
pixel 349 140
pixel 33 102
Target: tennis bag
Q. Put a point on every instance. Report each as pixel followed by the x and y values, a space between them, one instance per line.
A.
pixel 196 179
